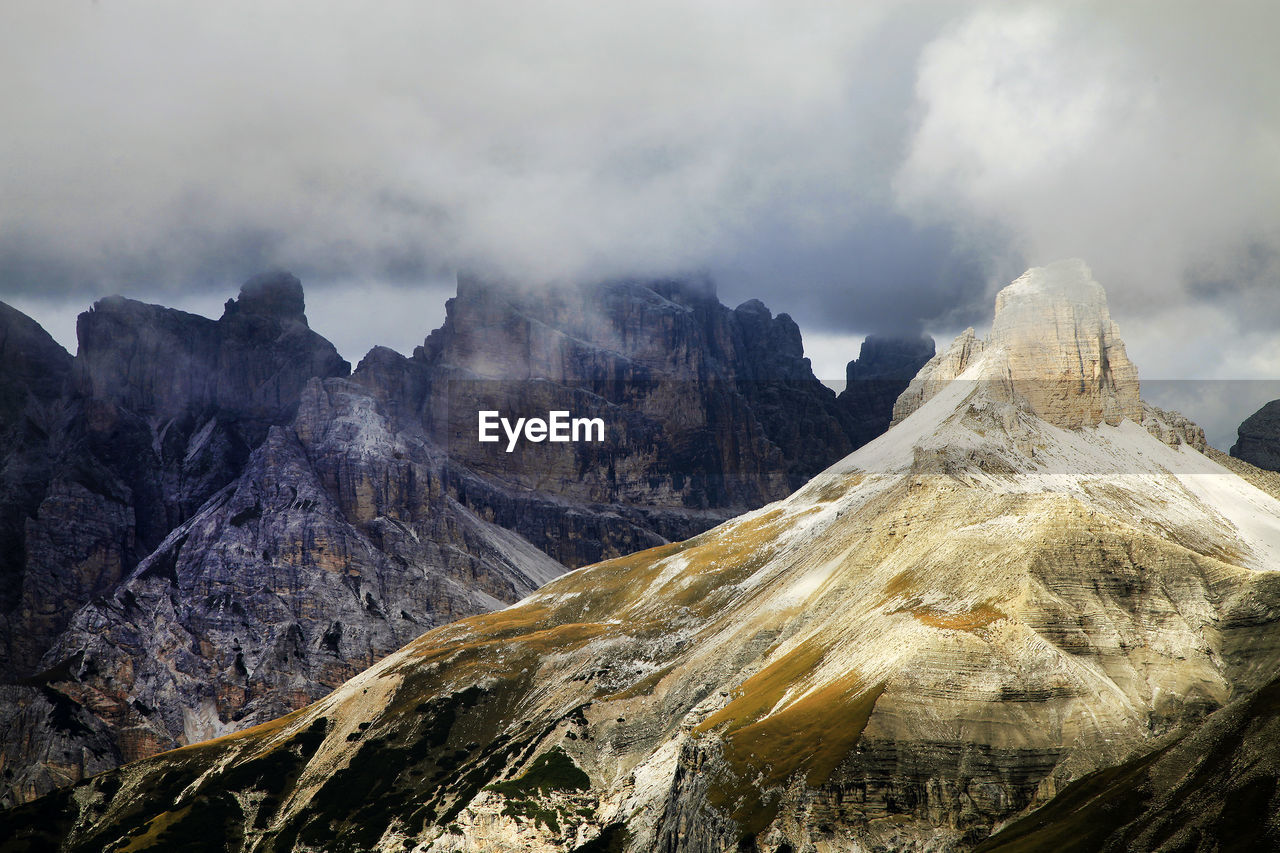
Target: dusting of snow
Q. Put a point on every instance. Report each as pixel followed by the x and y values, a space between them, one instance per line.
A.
pixel 672 568
pixel 895 449
pixel 1065 278
pixel 198 441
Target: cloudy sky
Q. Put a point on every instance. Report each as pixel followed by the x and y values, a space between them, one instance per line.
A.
pixel 867 167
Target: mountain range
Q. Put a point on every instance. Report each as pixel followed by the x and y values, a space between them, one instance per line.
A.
pixel 206 524
pixel 1036 613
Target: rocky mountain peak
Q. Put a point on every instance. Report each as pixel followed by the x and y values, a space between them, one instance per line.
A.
pixel 1065 354
pixel 937 372
pixel 1258 441
pixel 1069 281
pixel 877 377
pixel 31 362
pixel 886 357
pixel 1053 346
pixel 955 623
pixel 275 294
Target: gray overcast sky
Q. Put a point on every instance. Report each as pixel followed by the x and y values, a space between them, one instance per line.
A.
pixel 867 167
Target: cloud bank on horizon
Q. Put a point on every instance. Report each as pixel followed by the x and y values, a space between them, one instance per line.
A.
pixel 870 167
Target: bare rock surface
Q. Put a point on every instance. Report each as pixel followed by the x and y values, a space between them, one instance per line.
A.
pixel 708 408
pixel 106 454
pixel 33 375
pixel 1258 441
pixel 937 635
pixel 1175 428
pixel 938 373
pixel 157 412
pixel 874 380
pixel 1059 352
pixel 338 544
pixel 1065 356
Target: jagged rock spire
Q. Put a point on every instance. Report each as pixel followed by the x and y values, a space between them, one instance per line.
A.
pixel 1064 354
pixel 1053 346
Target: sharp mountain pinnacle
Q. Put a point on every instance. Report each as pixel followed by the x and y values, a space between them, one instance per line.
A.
pixel 1053 349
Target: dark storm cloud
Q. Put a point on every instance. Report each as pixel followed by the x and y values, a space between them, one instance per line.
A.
pixel 868 167
pixel 887 275
pixel 534 141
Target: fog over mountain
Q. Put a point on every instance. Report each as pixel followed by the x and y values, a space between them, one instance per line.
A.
pixel 869 168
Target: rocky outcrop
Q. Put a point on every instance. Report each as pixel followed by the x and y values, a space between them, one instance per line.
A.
pixel 179 371
pixel 1174 428
pixel 938 373
pixel 876 378
pixel 935 636
pixel 161 410
pixel 48 741
pixel 33 374
pixel 1258 441
pixel 1060 354
pixel 709 411
pixel 1065 356
pixel 336 545
pixel 106 454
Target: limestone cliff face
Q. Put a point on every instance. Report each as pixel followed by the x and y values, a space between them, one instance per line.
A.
pixel 336 545
pixel 934 636
pixel 1059 353
pixel 876 378
pixel 709 411
pixel 938 373
pixel 1064 354
pixel 249 367
pixel 105 455
pixel 33 375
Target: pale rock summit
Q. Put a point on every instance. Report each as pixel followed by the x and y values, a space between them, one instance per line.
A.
pixel 1053 348
pixel 1064 353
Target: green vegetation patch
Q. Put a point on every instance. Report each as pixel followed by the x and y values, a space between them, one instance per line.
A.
pixel 552 771
pixel 812 735
pixel 548 816
pixel 759 693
